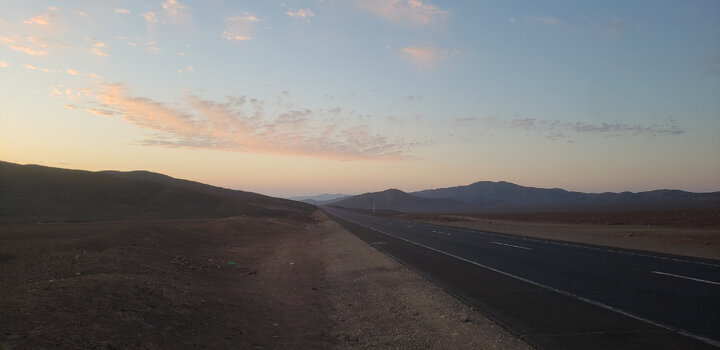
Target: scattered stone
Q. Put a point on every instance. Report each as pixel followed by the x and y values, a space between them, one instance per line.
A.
pixel 351 338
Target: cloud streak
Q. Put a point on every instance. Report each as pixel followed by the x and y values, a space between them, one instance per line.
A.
pixel 245 124
pixel 37 69
pixel 30 45
pixel 547 20
pixel 41 20
pixel 565 130
pixel 240 28
pixel 301 13
pixel 405 12
pixel 425 56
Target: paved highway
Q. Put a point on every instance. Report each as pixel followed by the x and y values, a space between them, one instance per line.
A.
pixel 560 295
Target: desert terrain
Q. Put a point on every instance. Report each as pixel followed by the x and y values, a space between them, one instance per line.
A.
pixel 689 232
pixel 220 283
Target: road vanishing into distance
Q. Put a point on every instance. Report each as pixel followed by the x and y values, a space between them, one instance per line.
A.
pixel 560 295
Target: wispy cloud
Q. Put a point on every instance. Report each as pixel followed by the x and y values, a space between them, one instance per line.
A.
pixel 173 7
pixel 42 19
pixel 122 11
pixel 4 64
pixel 72 107
pixel 98 48
pixel 37 69
pixel 425 56
pixel 151 47
pixel 150 17
pixel 615 27
pixel 29 45
pixel 100 112
pixel 567 130
pixel 246 124
pixel 176 11
pixel 246 17
pixel 72 71
pixel 240 28
pixel 405 12
pixel 301 13
pixel 546 20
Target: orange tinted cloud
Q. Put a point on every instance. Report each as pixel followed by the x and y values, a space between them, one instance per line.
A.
pixel 42 19
pixel 28 45
pixel 242 124
pixel 406 12
pixel 38 69
pixel 425 56
pixel 240 27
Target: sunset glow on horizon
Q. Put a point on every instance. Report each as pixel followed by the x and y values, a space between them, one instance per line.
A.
pixel 349 96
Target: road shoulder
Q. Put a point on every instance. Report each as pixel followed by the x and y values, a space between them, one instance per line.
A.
pixel 378 302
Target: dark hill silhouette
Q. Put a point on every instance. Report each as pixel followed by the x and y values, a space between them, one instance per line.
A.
pixel 323 199
pixel 505 196
pixel 40 193
pixel 487 196
pixel 397 200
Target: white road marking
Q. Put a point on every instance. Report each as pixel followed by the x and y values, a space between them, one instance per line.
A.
pixel 487 233
pixel 559 291
pixel 443 233
pixel 511 245
pixel 685 277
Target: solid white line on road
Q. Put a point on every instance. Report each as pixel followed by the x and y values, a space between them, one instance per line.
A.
pixel 685 277
pixel 443 233
pixel 511 245
pixel 556 290
pixel 568 244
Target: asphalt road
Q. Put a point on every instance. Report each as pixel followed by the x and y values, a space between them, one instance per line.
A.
pixel 560 295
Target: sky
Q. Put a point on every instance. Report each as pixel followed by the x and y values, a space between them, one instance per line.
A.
pixel 351 96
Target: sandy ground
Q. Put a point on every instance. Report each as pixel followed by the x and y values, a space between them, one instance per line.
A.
pixel 236 283
pixel 701 241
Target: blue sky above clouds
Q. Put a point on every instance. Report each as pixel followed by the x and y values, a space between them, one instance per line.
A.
pixel 348 96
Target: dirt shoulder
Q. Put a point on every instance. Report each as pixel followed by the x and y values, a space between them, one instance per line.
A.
pixel 273 283
pixel 700 241
pixel 379 303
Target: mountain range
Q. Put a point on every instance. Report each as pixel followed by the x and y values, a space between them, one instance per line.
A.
pixel 488 196
pixel 325 198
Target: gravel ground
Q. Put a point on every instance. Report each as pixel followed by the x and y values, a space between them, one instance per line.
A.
pixel 235 283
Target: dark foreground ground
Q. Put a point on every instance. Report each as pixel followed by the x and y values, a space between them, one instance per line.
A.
pixel 235 283
pixel 152 284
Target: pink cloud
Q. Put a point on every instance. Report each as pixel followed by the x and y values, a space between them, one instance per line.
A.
pixel 301 13
pixel 425 56
pixel 42 19
pixel 240 28
pixel 100 112
pixel 29 45
pixel 405 12
pixel 98 48
pixel 150 17
pixel 247 125
pixel 38 69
